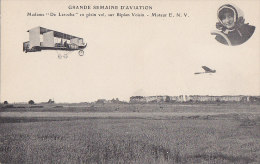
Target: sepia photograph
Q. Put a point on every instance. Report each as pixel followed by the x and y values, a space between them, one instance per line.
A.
pixel 140 82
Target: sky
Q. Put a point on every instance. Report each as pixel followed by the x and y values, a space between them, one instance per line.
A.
pixel 127 56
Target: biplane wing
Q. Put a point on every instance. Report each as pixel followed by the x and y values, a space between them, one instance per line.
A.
pixel 55 33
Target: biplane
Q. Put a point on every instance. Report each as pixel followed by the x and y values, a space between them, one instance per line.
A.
pixel 207 70
pixel 45 39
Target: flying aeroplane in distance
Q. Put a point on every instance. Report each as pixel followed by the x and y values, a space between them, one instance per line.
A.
pixel 207 70
pixel 41 38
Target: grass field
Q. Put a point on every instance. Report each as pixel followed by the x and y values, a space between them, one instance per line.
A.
pixel 208 134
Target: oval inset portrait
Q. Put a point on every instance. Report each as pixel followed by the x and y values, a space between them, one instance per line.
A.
pixel 231 27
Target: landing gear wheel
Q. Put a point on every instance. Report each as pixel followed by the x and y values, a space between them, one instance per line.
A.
pixel 65 56
pixel 60 56
pixel 81 52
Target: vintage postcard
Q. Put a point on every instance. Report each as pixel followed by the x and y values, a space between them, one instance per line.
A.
pixel 130 81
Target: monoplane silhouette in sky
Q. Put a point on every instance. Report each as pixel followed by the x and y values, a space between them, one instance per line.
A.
pixel 207 70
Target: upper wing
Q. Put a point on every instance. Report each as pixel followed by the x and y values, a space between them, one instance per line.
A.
pixel 207 69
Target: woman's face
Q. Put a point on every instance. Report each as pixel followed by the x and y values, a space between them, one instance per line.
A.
pixel 228 20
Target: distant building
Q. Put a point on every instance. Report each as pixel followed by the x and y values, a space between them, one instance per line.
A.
pixel 150 99
pixel 157 99
pixel 254 99
pixel 194 98
pixel 174 98
pixel 226 98
pixel 137 99
pixel 231 98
